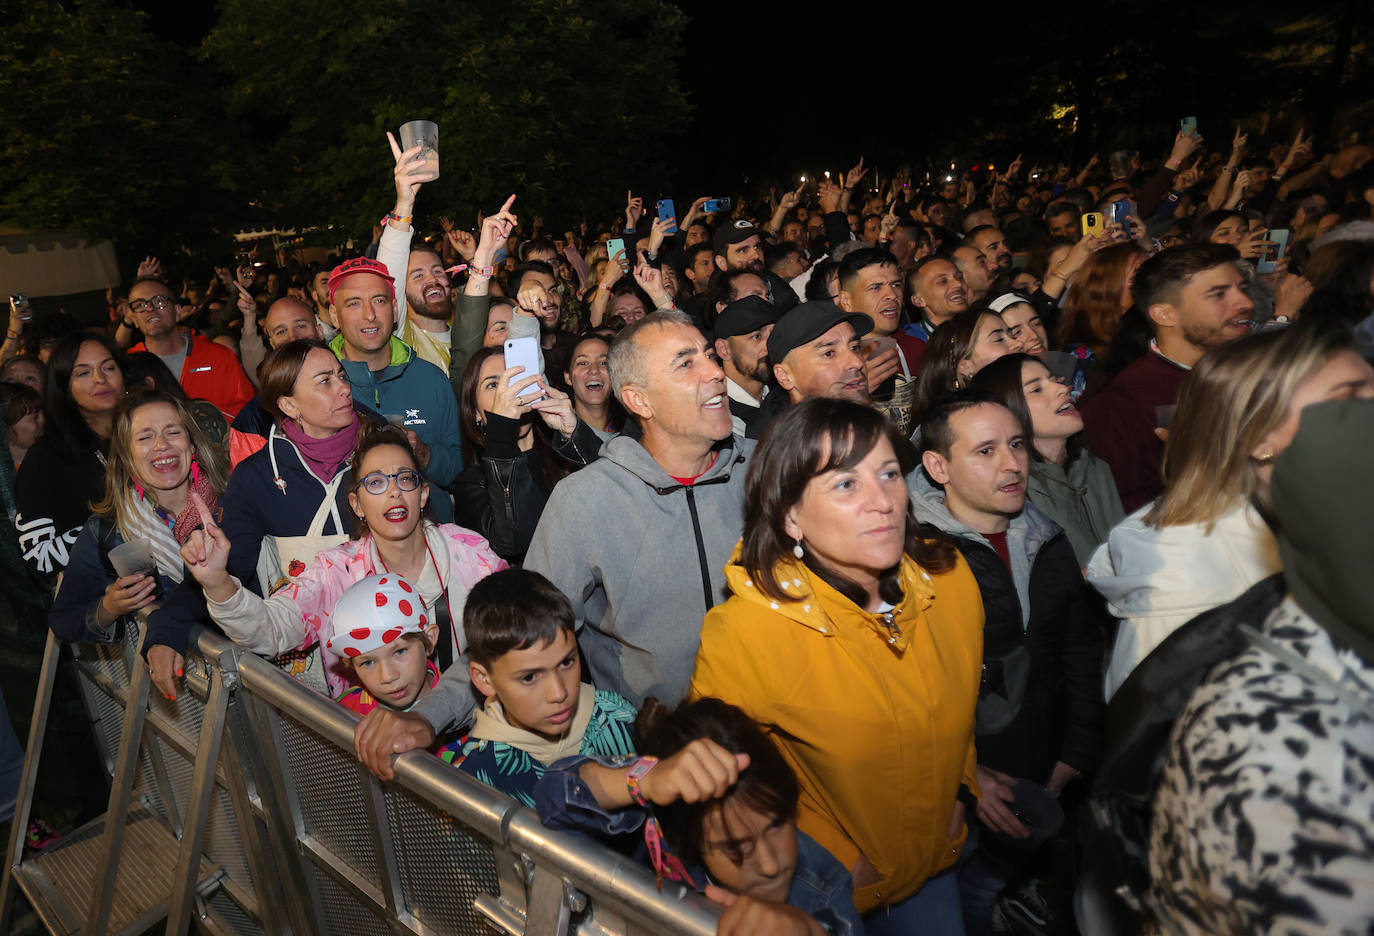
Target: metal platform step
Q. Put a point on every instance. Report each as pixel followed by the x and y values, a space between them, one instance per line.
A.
pixel 59 883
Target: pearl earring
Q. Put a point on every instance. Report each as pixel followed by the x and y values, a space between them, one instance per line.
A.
pixel 797 549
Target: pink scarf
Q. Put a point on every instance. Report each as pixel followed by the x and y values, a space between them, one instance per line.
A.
pixel 323 456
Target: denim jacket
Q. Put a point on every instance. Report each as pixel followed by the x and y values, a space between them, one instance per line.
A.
pixel 821 886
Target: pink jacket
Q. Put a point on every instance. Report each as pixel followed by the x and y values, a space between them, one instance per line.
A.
pixel 298 614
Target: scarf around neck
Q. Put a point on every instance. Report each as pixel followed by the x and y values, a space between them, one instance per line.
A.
pixel 490 724
pixel 323 456
pixel 166 533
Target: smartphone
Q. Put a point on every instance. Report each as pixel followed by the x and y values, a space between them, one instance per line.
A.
pixel 524 352
pixel 19 307
pixel 1188 125
pixel 1119 211
pixel 718 204
pixel 666 211
pixel 1092 224
pixel 616 245
pixel 1269 262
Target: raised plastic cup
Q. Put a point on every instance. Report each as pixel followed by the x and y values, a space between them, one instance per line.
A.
pixel 423 133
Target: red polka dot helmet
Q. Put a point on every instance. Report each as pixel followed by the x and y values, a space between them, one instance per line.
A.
pixel 374 612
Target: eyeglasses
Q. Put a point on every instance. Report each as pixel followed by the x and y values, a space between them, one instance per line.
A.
pixel 407 479
pixel 161 303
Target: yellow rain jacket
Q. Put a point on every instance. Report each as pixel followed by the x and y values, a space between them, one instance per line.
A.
pixel 876 717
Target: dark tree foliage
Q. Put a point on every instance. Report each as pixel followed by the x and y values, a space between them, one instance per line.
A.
pixel 557 100
pixel 105 128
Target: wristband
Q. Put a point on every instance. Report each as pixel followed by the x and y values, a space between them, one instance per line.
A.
pixel 636 774
pixel 486 271
pixel 455 270
pixel 393 216
pixel 603 286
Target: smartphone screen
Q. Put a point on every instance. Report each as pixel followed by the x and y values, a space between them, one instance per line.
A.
pixel 524 352
pixel 1269 262
pixel 1188 125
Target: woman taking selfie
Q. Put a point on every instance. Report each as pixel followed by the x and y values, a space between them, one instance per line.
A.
pixel 857 641
pixel 388 493
pixel 525 446
pixel 65 470
pixel 158 457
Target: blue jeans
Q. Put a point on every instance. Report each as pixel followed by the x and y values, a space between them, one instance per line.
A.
pixel 981 880
pixel 933 909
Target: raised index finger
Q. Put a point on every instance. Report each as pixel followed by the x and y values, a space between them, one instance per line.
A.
pixel 395 147
pixel 509 201
pixel 206 520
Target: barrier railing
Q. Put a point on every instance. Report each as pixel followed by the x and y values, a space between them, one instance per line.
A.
pixel 241 809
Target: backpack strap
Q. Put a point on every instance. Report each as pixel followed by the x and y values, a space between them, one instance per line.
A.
pixel 105 541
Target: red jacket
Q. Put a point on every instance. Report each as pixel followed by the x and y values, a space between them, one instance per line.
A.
pixel 212 372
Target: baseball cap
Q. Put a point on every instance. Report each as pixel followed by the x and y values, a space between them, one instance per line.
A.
pixel 359 265
pixel 733 233
pixel 373 612
pixel 745 315
pixel 809 321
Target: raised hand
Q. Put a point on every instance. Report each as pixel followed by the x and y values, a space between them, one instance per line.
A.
pixel 463 242
pixel 658 232
pixel 495 230
pixel 634 210
pixel 828 196
pixel 445 223
pixel 206 553
pixel 1013 169
pixel 1184 146
pixel 151 266
pixel 650 279
pixel 792 199
pixel 854 176
pixel 410 173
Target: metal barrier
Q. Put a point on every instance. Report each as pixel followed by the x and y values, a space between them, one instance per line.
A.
pixel 241 808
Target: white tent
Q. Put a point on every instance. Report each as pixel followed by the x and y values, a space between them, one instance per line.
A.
pixel 54 263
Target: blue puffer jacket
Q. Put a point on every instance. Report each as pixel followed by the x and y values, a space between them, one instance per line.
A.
pixel 88 574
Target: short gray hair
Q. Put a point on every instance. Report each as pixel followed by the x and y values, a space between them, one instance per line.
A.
pixel 627 351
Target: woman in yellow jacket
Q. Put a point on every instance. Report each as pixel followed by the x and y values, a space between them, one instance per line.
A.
pixel 858 645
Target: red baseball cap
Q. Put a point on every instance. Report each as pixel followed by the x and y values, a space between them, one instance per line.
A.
pixel 359 265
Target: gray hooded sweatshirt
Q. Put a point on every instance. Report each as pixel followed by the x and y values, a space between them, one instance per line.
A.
pixel 642 558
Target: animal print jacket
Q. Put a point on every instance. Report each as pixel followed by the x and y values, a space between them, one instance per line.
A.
pixel 1264 819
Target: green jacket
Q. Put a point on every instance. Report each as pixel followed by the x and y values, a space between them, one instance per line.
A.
pixel 1084 501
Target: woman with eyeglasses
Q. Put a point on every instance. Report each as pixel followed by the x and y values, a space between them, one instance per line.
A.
pixel 388 494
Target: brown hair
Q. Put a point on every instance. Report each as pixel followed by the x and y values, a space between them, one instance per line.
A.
pixel 373 435
pixel 809 439
pixel 1232 399
pixel 949 344
pixel 554 468
pixel 1092 306
pixel 117 503
pixel 279 371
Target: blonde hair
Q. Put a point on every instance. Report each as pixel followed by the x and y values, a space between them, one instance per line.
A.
pixel 1232 399
pixel 118 503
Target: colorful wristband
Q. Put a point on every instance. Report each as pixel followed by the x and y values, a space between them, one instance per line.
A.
pixel 636 774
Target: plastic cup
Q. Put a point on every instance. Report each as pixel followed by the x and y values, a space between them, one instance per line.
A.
pixel 133 558
pixel 423 133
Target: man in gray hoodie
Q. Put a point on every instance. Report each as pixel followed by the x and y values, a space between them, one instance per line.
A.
pixel 638 540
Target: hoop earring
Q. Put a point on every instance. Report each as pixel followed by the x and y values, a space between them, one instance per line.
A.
pixel 797 549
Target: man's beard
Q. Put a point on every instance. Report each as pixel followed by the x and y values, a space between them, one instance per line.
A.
pixel 440 309
pixel 762 372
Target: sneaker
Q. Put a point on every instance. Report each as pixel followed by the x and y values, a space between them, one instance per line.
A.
pixel 1028 912
pixel 39 835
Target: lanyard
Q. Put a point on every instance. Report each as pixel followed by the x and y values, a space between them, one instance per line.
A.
pixel 443 616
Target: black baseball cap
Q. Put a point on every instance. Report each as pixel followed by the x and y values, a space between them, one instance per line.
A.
pixel 733 233
pixel 745 315
pixel 809 321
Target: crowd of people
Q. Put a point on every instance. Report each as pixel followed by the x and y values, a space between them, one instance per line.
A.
pixel 824 550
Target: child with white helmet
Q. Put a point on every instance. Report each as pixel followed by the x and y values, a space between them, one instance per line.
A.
pixel 381 628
